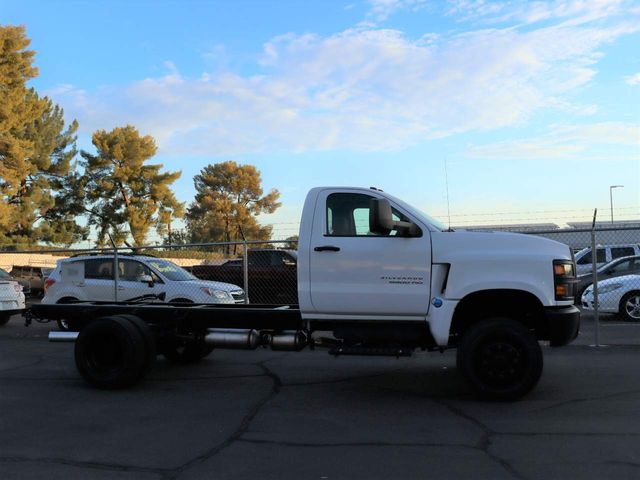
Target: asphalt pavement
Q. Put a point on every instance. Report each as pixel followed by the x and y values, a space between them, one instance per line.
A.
pixel 268 415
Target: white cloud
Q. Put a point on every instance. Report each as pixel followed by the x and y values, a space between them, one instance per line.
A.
pixel 633 79
pixel 569 141
pixel 381 10
pixel 366 89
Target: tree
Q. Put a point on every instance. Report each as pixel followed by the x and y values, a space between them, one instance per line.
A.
pixel 228 199
pixel 117 190
pixel 35 153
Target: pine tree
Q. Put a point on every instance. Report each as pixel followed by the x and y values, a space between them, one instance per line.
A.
pixel 228 199
pixel 36 152
pixel 118 190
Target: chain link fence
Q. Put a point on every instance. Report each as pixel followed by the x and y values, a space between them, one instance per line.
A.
pixel 255 272
pixel 608 285
pixel 265 272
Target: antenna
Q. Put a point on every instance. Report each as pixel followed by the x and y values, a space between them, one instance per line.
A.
pixel 446 183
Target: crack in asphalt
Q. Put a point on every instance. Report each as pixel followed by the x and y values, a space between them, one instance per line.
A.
pixel 586 399
pixel 355 444
pixel 484 443
pixel 339 380
pixel 91 465
pixel 240 430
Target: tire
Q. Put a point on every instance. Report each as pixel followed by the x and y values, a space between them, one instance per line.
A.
pixel 184 352
pixel 629 308
pixel 111 353
pixel 4 319
pixel 149 339
pixel 500 358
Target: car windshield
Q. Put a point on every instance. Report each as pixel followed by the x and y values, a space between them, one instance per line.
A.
pixel 170 270
pixel 4 275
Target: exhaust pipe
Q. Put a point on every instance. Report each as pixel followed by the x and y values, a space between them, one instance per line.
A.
pixel 233 338
pixel 63 336
pixel 291 340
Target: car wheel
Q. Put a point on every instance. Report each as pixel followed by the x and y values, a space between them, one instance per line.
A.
pixel 185 352
pixel 4 319
pixel 630 306
pixel 500 358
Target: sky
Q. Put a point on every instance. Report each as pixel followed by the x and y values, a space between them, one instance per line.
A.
pixel 476 111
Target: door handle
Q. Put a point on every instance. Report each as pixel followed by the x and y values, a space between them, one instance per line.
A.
pixel 327 248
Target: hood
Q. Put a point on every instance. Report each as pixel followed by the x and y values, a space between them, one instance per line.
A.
pixel 226 287
pixel 631 279
pixel 459 244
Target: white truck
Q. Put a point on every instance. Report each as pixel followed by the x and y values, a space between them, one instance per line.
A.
pixel 380 275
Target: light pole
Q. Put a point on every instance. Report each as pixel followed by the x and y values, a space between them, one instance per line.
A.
pixel 611 187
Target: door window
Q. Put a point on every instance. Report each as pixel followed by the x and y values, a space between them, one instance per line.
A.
pixel 99 269
pixel 348 215
pixel 617 252
pixel 601 255
pixel 133 271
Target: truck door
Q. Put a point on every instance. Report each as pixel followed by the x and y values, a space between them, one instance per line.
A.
pixel 356 272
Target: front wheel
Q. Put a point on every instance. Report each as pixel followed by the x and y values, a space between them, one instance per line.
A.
pixel 501 359
pixel 630 307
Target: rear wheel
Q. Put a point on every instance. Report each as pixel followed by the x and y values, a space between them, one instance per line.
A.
pixel 184 352
pixel 630 306
pixel 149 339
pixel 501 359
pixel 4 319
pixel 111 353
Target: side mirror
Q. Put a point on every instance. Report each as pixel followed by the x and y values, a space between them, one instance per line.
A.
pixel 380 216
pixel 381 220
pixel 147 279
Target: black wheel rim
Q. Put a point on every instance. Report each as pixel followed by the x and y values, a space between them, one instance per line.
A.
pixel 500 363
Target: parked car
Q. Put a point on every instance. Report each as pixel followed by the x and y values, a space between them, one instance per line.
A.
pixel 272 275
pixel 615 268
pixel 32 277
pixel 619 295
pixel 26 285
pixel 11 297
pixel 90 278
pixel 604 254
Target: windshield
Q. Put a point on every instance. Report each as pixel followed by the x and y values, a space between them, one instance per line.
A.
pixel 423 217
pixel 4 275
pixel 170 270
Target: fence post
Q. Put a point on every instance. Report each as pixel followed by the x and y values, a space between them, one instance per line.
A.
pixel 245 271
pixel 116 273
pixel 594 279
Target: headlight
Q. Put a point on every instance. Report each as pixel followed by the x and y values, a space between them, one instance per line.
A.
pixel 219 294
pixel 564 279
pixel 609 288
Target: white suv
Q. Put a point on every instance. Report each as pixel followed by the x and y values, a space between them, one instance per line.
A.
pixel 90 278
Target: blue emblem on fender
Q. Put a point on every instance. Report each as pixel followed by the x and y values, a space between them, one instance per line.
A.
pixel 437 302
